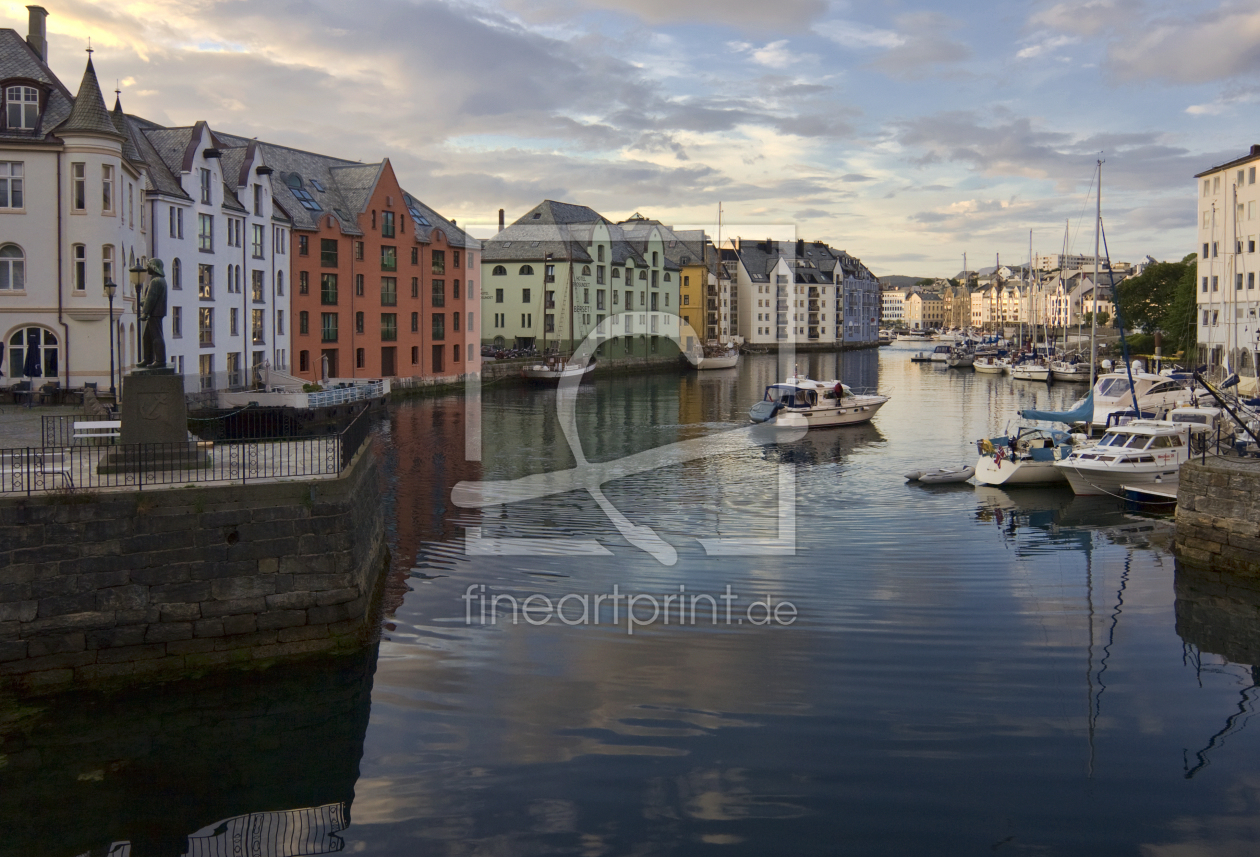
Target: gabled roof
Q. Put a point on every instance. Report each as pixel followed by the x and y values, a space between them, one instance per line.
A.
pixel 17 59
pixel 89 114
pixel 455 236
pixel 559 229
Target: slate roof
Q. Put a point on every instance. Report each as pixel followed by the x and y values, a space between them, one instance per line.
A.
pixel 18 59
pixel 455 236
pixel 89 114
pixel 557 228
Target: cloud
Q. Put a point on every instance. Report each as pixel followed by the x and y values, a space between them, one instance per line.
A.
pixel 1046 45
pixel 772 55
pixel 812 214
pixel 1090 18
pixel 850 34
pixel 856 177
pixel 750 15
pixel 925 45
pixel 1220 44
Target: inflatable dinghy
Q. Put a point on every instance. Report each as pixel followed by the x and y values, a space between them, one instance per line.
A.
pixel 941 475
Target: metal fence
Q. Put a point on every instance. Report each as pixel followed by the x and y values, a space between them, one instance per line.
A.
pixel 31 470
pixel 58 430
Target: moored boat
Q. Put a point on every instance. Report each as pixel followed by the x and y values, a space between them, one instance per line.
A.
pixel 1141 453
pixel 554 370
pixel 1027 458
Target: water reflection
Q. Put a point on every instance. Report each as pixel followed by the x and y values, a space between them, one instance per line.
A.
pixel 160 771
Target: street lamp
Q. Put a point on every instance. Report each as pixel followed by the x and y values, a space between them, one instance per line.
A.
pixel 138 272
pixel 110 289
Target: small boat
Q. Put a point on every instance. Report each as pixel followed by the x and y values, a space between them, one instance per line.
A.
pixel 939 354
pixel 715 357
pixel 554 370
pixel 989 363
pixel 940 475
pixel 913 336
pixel 960 357
pixel 1025 458
pixel 800 402
pixel 887 337
pixel 1030 370
pixel 1067 370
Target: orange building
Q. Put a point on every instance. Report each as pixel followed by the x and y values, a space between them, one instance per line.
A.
pixel 382 285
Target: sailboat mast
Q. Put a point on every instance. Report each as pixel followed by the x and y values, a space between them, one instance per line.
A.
pixel 1093 326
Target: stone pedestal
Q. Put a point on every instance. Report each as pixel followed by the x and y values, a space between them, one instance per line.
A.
pixel 153 412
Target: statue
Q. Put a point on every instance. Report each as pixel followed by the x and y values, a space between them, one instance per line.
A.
pixel 152 311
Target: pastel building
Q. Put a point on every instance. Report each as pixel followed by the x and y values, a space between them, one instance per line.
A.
pixel 73 217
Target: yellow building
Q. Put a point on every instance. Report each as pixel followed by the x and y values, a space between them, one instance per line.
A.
pixel 924 311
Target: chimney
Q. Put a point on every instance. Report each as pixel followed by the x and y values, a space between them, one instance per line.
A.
pixel 36 35
pixel 453 223
pixel 500 220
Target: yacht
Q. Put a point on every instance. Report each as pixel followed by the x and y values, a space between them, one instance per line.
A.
pixel 1026 458
pixel 715 357
pixel 1154 393
pixel 801 402
pixel 913 336
pixel 1141 453
pixel 554 369
pixel 961 357
pixel 1070 370
pixel 989 363
pixel 939 354
pixel 1030 370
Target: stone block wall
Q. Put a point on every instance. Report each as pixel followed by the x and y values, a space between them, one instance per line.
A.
pixel 172 582
pixel 1218 516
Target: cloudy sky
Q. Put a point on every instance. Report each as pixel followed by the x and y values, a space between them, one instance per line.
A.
pixel 907 133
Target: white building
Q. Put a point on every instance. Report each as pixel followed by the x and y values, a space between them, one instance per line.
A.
pixel 1228 298
pixel 893 302
pixel 71 204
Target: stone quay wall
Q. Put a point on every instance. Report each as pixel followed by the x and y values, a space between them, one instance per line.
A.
pixel 1218 515
pixel 125 586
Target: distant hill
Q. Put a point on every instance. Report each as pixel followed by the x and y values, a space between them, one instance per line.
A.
pixel 897 281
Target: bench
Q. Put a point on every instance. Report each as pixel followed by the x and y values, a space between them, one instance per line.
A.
pixel 97 429
pixel 19 462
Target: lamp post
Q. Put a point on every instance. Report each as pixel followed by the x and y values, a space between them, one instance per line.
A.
pixel 110 289
pixel 138 272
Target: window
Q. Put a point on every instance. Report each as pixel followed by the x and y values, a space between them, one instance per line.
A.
pixel 1251 176
pixel 78 187
pixel 415 287
pixel 328 252
pixel 304 322
pixel 11 184
pixel 1238 280
pixel 42 342
pixel 304 197
pixel 439 325
pixel 1251 280
pixel 360 358
pixel 304 361
pixel 358 285
pixel 439 292
pixel 389 326
pixel 526 270
pixel 599 253
pixel 328 327
pixel 470 324
pixel 1205 284
pixel 205 232
pixel 256 286
pixel 415 355
pixel 234 321
pixel 205 325
pixel 1206 186
pixel 525 295
pixel 438 352
pixel 13 273
pixel 1214 249
pixel 78 253
pixel 107 189
pixel 389 258
pixel 455 259
pixel 455 290
pixel 599 274
pixel 304 245
pixel 280 282
pixel 23 108
pixel 498 296
pixel 177 322
pixel 205 186
pixel 439 261
pixel 107 263
pixel 257 243
pixel 256 326
pixel 415 255
pixel 455 322
pixel 328 289
pixel 387 224
pixel 205 282
pixel 358 322
pixel 1216 282
pixel 358 251
pixel 498 271
pixel 415 322
pixel 586 270
pixel 1216 184
pixel 616 273
pixel 456 352
pixel 280 241
pixel 389 291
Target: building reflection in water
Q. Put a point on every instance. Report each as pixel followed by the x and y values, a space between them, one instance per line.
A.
pixel 250 764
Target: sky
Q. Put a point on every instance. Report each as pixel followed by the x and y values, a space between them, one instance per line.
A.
pixel 906 133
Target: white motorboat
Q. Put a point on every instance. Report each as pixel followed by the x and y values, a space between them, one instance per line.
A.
pixel 711 357
pixel 1027 458
pixel 1066 370
pixel 800 402
pixel 989 364
pixel 939 354
pixel 913 336
pixel 1154 393
pixel 1030 370
pixel 1144 452
pixel 554 370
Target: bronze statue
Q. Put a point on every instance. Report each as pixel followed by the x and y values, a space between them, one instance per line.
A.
pixel 153 310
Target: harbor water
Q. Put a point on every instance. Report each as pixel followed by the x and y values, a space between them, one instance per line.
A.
pixel 819 658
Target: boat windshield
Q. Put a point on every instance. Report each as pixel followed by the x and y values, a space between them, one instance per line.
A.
pixel 1137 441
pixel 1113 387
pixel 793 397
pixel 1113 439
pixel 1200 419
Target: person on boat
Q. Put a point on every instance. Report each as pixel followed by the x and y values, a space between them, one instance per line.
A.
pixel 839 390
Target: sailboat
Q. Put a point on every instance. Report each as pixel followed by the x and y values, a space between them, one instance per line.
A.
pixel 1069 368
pixel 554 367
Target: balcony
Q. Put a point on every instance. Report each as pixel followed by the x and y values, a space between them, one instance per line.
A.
pixel 813 305
pixel 549 304
pixel 549 278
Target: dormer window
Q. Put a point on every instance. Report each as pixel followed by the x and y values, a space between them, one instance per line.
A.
pixel 22 107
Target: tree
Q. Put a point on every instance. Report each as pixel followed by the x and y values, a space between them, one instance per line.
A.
pixel 1146 298
pixel 1103 318
pixel 1180 323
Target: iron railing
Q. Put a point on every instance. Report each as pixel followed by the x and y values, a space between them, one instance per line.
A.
pixel 31 470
